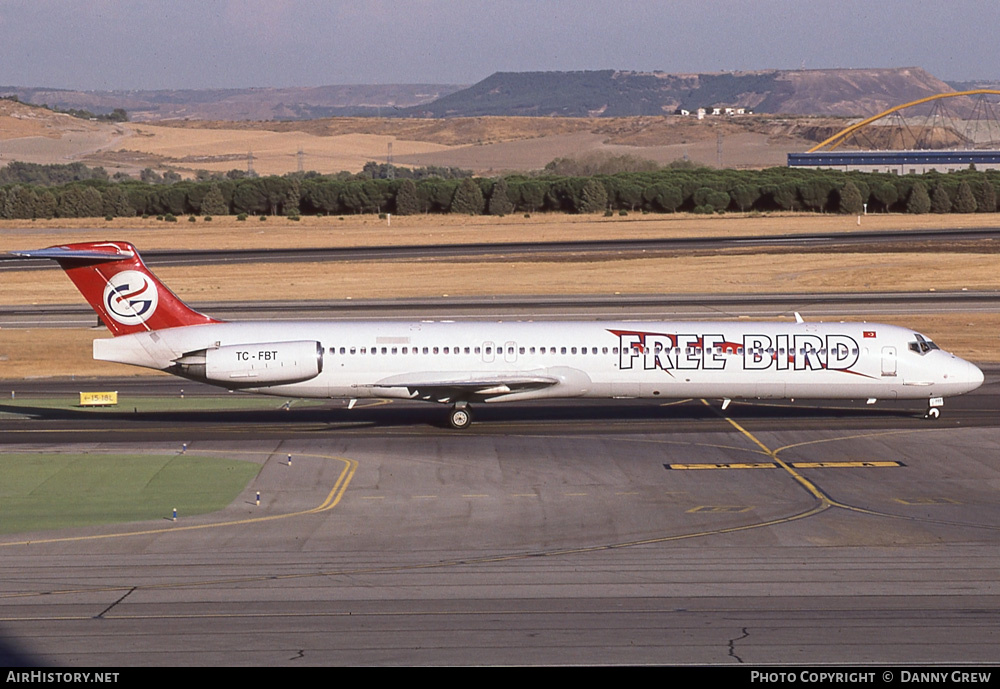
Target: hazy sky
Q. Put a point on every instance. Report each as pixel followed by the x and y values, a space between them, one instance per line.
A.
pixel 157 44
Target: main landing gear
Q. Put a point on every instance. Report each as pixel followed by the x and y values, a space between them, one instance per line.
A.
pixel 460 416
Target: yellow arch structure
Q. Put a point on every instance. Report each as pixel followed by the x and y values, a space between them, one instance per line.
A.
pixel 842 134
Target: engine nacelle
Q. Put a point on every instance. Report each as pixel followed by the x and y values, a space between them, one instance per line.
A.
pixel 255 364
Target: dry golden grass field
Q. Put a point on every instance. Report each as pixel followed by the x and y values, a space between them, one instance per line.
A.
pixel 275 153
pixel 67 352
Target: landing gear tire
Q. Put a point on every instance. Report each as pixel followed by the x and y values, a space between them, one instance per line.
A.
pixel 933 414
pixel 460 418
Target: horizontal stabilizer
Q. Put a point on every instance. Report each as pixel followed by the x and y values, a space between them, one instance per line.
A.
pixel 98 253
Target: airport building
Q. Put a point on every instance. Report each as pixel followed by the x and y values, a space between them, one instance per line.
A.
pixel 897 162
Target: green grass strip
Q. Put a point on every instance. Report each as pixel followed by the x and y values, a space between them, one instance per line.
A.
pixel 51 491
pixel 23 405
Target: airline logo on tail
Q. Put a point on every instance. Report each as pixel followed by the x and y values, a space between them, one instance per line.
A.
pixel 130 297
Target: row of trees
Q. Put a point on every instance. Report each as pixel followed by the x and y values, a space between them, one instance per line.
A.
pixel 55 174
pixel 17 172
pixel 700 190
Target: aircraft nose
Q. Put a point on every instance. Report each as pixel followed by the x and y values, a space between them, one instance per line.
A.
pixel 959 376
pixel 975 376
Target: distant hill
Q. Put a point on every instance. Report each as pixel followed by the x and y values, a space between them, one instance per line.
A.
pixel 973 85
pixel 605 93
pixel 241 104
pixel 610 93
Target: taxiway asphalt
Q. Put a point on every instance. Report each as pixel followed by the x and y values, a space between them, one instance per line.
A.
pixel 547 534
pixel 909 240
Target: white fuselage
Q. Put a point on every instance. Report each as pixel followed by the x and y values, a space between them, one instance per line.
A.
pixel 499 361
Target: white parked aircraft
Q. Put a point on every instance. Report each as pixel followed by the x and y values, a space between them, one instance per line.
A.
pixel 466 362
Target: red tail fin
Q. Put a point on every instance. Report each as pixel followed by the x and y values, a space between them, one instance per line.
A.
pixel 120 288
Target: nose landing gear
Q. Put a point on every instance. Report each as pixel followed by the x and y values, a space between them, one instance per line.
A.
pixel 934 408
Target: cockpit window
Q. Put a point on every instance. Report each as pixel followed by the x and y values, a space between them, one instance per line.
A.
pixel 922 345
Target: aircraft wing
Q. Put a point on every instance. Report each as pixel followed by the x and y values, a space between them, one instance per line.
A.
pixel 461 387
